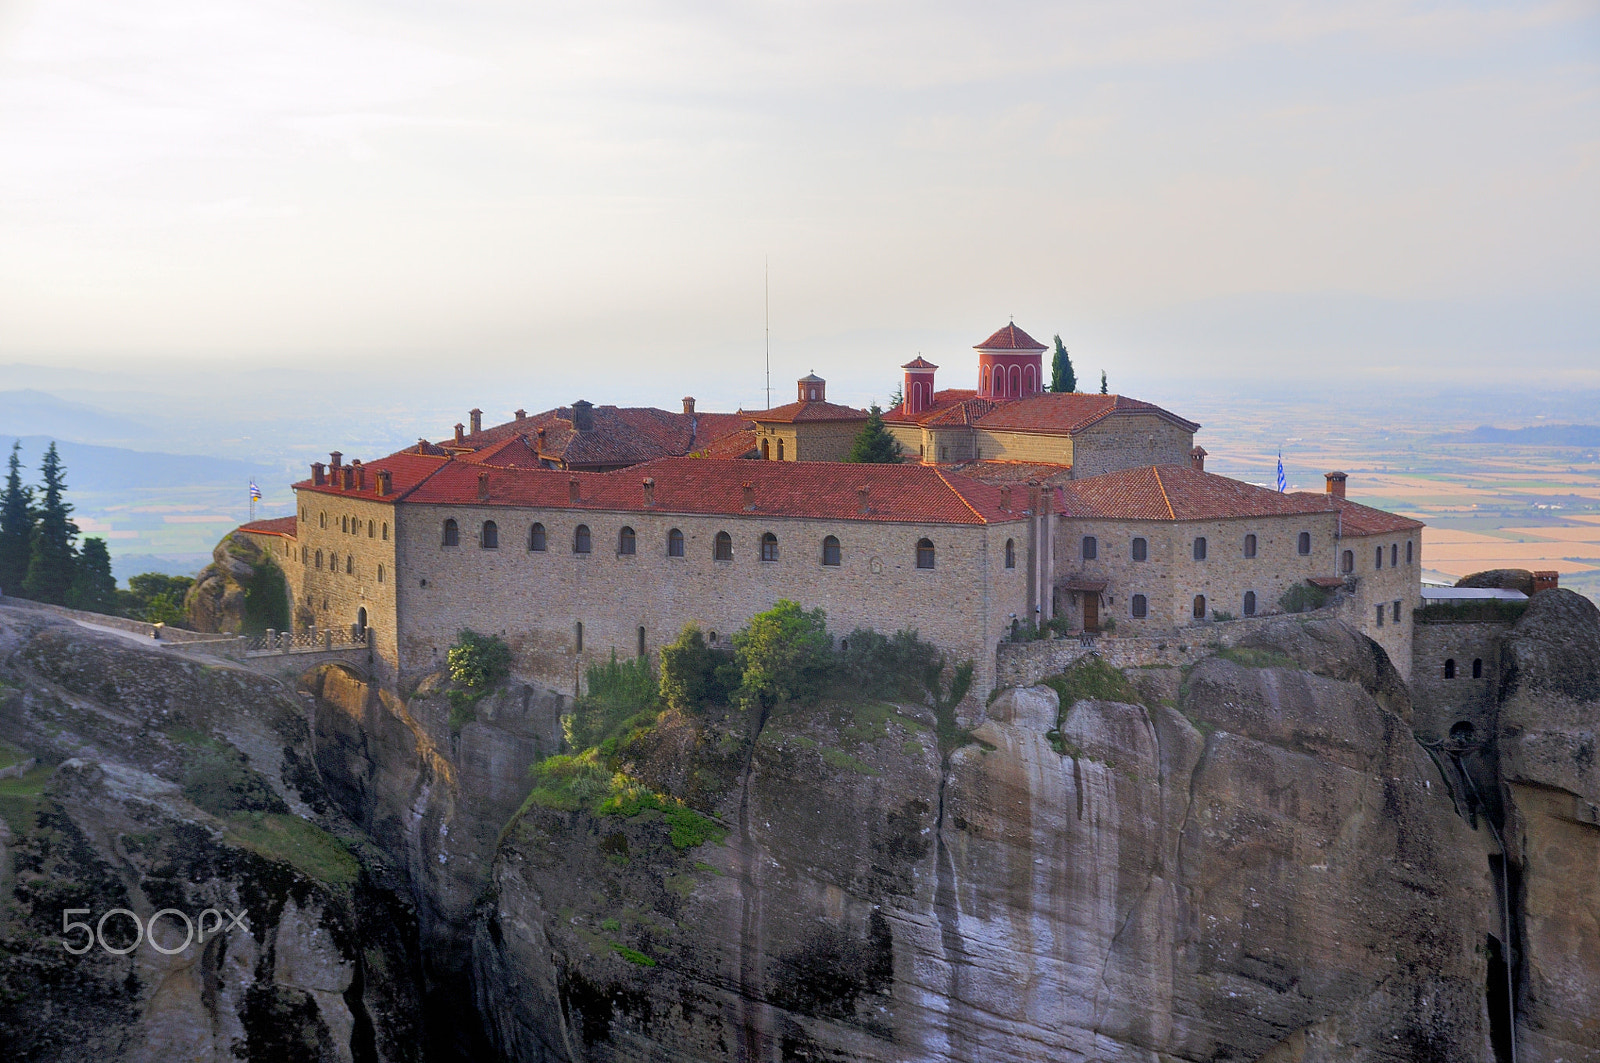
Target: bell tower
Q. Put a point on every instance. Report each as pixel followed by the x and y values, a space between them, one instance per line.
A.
pixel 1010 365
pixel 812 388
pixel 918 393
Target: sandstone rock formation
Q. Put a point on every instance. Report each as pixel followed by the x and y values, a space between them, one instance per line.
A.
pixel 241 589
pixel 1507 579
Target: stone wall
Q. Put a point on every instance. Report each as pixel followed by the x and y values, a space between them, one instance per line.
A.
pixel 1129 441
pixel 1439 703
pixel 357 571
pixel 134 627
pixel 1394 586
pixel 997 445
pixel 810 440
pixel 537 600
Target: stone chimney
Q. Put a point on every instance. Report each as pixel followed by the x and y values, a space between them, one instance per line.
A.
pixel 583 415
pixel 572 491
pixel 1005 497
pixel 361 474
pixel 688 405
pixel 1197 457
pixel 1546 580
pixel 483 486
pixel 476 419
pixel 522 415
pixel 1335 483
pixel 347 478
pixel 385 482
pixel 318 475
pixel 335 458
pixel 649 490
pixel 749 496
pixel 460 433
pixel 861 500
pixel 1033 496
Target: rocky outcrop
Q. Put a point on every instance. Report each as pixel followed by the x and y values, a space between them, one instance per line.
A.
pixel 241 590
pixel 1506 579
pixel 1267 868
pixel 167 785
pixel 1549 736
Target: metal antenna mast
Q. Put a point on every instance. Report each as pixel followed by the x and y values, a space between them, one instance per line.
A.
pixel 766 295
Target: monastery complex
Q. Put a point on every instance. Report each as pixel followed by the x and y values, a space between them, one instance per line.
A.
pixel 588 529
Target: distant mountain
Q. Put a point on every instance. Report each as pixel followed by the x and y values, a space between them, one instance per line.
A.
pixel 92 468
pixel 29 412
pixel 1540 435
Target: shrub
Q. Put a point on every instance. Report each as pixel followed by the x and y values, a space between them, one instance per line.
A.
pixel 1303 598
pixel 897 666
pixel 570 782
pixel 785 654
pixel 693 674
pixel 617 692
pixel 477 662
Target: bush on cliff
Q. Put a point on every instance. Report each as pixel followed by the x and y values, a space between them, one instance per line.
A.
pixel 785 654
pixel 616 692
pixel 477 664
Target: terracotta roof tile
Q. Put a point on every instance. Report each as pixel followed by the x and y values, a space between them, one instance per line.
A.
pixel 737 445
pixel 1070 412
pixel 1010 472
pixel 406 468
pixel 817 490
pixel 919 363
pixel 800 412
pixel 284 526
pixel 622 435
pixel 1010 338
pixel 944 402
pixel 1180 492
pixel 1359 520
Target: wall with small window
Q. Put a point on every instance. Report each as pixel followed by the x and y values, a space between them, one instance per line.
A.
pixel 1456 675
pixel 341 565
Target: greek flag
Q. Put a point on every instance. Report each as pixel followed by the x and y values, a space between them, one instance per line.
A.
pixel 1283 485
pixel 255 492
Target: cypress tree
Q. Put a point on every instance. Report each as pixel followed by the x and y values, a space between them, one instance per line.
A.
pixel 1103 382
pixel 16 526
pixel 93 586
pixel 1062 376
pixel 875 445
pixel 50 566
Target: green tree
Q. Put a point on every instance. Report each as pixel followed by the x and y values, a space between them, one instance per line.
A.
pixel 875 445
pixel 93 586
pixel 1103 382
pixel 692 673
pixel 1062 376
pixel 785 653
pixel 16 526
pixel 51 562
pixel 155 597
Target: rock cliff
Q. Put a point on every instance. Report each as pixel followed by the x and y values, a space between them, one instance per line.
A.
pixel 242 590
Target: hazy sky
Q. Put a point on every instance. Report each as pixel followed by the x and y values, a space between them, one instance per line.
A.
pixel 1328 191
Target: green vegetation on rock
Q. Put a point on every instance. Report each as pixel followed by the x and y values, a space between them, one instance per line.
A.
pixel 1251 657
pixel 477 664
pixel 1302 598
pixel 297 842
pixel 618 694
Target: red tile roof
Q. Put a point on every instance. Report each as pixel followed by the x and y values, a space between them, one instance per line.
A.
pixel 618 436
pixel 407 469
pixel 1358 520
pixel 816 490
pixel 1180 492
pixel 1010 338
pixel 1070 412
pixel 800 412
pixel 1010 472
pixel 284 526
pixel 737 445
pixel 919 363
pixel 945 403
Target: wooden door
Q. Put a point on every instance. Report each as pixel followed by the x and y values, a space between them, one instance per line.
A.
pixel 1091 611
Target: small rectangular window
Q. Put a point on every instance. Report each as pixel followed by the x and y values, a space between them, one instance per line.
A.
pixel 1141 606
pixel 1091 548
pixel 1200 548
pixel 1141 549
pixel 1250 545
pixel 1303 543
pixel 1380 616
pixel 1408 551
pixel 1397 612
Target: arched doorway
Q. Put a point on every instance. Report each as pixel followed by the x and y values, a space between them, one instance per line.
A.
pixel 361 619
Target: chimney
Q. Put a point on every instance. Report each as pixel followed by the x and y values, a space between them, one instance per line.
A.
pixel 522 415
pixel 1005 496
pixel 1335 483
pixel 749 496
pixel 483 486
pixel 572 491
pixel 1546 580
pixel 1198 457
pixel 459 436
pixel 318 476
pixel 583 415
pixel 347 478
pixel 861 500
pixel 361 474
pixel 649 490
pixel 688 405
pixel 476 418
pixel 334 458
pixel 1033 496
pixel 385 482
pixel 422 445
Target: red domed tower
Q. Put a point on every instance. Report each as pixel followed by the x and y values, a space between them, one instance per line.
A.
pixel 918 393
pixel 1010 365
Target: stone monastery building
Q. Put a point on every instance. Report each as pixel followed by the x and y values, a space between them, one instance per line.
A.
pixel 588 529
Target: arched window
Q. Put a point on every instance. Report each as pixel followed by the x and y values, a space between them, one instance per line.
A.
pixel 1408 551
pixel 1016 381
pixel 1028 387
pixel 1449 667
pixel 1199 547
pixel 322 520
pixel 361 618
pixel 924 553
pixel 1250 545
pixel 1091 548
pixel 1304 543
pixel 350 564
pixel 1141 607
pixel 577 635
pixel 1141 549
pixel 372 529
pixel 641 640
pixel 319 560
pixel 1347 561
pixel 581 541
pixel 491 535
pixel 1477 668
pixel 380 573
pixel 830 551
pixel 1394 554
pixel 536 537
pixel 1249 603
pixel 674 543
pixel 769 547
pixel 452 532
pixel 1011 553
pixel 305 514
pixel 385 531
pixel 627 542
pixel 722 549
pixel 344 524
pixel 1377 558
pixel 780 450
pixel 1199 607
pixel 766 450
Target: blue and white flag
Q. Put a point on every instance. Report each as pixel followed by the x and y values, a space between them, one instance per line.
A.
pixel 1283 485
pixel 255 492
